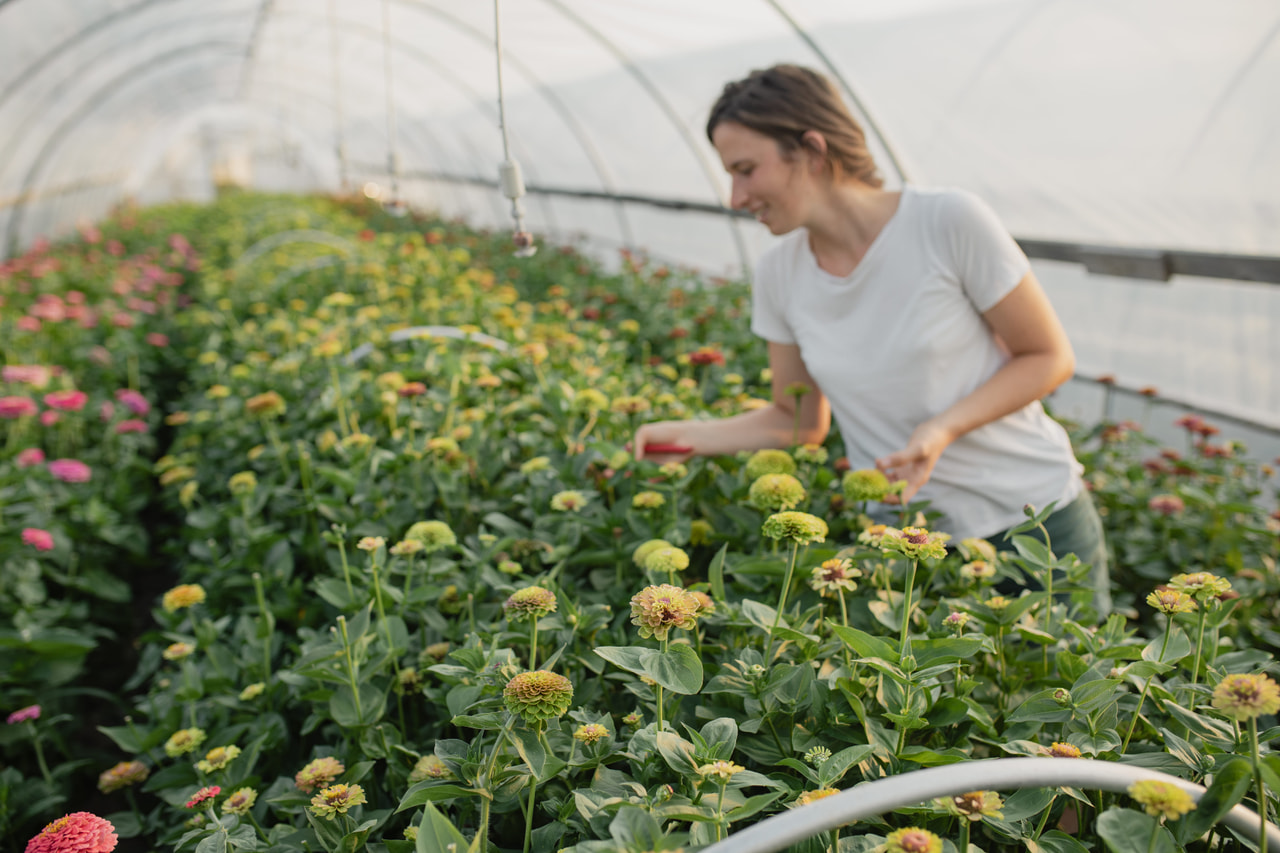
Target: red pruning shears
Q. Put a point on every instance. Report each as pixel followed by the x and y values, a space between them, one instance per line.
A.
pixel 678 449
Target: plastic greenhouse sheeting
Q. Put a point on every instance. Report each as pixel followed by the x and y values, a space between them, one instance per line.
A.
pixel 1130 123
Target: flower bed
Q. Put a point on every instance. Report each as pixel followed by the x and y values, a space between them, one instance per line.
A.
pixel 428 591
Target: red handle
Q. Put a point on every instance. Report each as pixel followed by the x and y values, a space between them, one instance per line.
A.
pixel 667 448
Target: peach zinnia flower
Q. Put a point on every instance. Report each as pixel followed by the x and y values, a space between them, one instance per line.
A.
pixel 322 771
pixel 1166 504
pixel 204 794
pixel 1244 696
pixel 122 775
pixel 78 832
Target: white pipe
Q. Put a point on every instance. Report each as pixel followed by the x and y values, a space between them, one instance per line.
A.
pixel 997 774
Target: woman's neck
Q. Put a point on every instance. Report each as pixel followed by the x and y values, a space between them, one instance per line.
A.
pixel 846 222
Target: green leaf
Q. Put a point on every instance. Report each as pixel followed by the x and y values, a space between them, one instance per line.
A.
pixel 866 645
pixel 677 668
pixel 715 573
pixel 1230 784
pixel 632 828
pixel 624 657
pixel 945 650
pixel 1129 831
pixel 1179 647
pixel 432 792
pixel 752 805
pixel 542 765
pixel 214 842
pixel 677 752
pixel 437 834
pixel 346 713
pixel 833 769
pixel 1057 841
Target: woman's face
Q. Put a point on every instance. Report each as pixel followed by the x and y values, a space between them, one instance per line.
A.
pixel 771 187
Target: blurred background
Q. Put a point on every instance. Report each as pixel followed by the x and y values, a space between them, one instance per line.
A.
pixel 1130 145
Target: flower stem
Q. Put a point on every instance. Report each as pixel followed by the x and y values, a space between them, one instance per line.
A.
pixel 964 835
pixel 906 609
pixel 1258 785
pixel 659 689
pixel 1195 668
pixel 44 767
pixel 265 630
pixel 528 815
pixel 782 602
pixel 346 569
pixel 533 644
pixel 351 666
pixel 1155 833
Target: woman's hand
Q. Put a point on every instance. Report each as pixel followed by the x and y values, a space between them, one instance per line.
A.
pixel 914 463
pixel 666 434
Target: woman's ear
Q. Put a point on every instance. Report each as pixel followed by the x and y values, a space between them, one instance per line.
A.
pixel 814 145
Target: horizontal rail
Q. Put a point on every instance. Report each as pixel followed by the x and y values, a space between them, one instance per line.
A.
pixel 1126 262
pixel 996 774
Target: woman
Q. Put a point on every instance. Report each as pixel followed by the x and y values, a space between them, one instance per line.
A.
pixel 913 315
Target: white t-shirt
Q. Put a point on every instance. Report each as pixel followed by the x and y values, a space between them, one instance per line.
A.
pixel 902 338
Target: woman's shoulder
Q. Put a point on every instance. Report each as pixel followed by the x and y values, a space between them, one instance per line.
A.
pixel 945 202
pixel 785 254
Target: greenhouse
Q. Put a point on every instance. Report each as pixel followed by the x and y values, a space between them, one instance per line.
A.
pixel 445 426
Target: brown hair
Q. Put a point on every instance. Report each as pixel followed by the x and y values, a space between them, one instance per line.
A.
pixel 786 101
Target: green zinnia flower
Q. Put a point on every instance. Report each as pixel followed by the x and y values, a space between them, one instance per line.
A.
pixel 769 462
pixel 775 492
pixel 800 527
pixel 538 696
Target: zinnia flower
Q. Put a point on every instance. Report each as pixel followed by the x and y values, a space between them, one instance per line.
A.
pixel 429 767
pixel 41 540
pixel 253 691
pixel 240 801
pixel 537 463
pixel 133 401
pixel 866 484
pixel 658 609
pixel 977 570
pixel 30 457
pixel 1058 749
pixel 336 799
pixel 66 401
pixel 538 696
pixel 1201 586
pixel 12 408
pixel 666 560
pixel 319 772
pixel 769 461
pixel 530 603
pixel 569 500
pixel 217 758
pixel 776 492
pixel 268 404
pixel 132 425
pixel 912 840
pixel 590 733
pixel 835 575
pixel 644 549
pixel 973 806
pixel 1166 504
pixel 371 543
pixel 122 775
pixel 434 535
pixel 178 651
pixel 648 500
pixel 1171 601
pixel 915 542
pixel 70 470
pixel 35 375
pixel 22 715
pixel 812 453
pixel 1161 799
pixel 204 794
pixel 1244 696
pixel 243 484
pixel 722 770
pixel 183 595
pixel 183 741
pixel 800 527
pixel 78 832
pixel 700 532
pixel 807 797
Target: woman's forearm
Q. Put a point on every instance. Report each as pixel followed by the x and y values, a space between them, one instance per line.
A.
pixel 1022 380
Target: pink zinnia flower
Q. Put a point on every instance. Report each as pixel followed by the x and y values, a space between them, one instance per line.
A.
pixel 1166 504
pixel 35 375
pixel 121 320
pixel 75 297
pixel 100 355
pixel 49 417
pixel 133 401
pixel 41 540
pixel 17 407
pixel 30 457
pixel 158 340
pixel 67 401
pixel 131 425
pixel 70 470
pixel 206 793
pixel 115 248
pixel 107 410
pixel 28 324
pixel 78 832
pixel 31 712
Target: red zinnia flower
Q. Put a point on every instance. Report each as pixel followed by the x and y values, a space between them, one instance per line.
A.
pixel 206 793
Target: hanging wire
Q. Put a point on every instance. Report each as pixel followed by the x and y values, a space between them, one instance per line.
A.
pixel 339 147
pixel 509 177
pixel 394 205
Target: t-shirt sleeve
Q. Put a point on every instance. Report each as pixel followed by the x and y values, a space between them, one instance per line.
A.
pixel 768 320
pixel 988 261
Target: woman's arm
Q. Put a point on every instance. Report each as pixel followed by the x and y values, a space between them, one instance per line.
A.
pixel 771 426
pixel 1040 359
